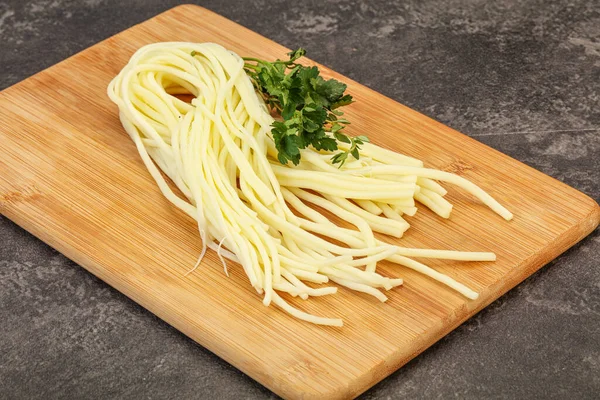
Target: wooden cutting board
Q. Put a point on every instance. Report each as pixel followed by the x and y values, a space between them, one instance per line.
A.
pixel 70 175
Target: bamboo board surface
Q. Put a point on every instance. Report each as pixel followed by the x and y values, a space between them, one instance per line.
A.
pixel 70 175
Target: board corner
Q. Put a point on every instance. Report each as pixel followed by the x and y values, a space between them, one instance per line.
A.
pixel 591 220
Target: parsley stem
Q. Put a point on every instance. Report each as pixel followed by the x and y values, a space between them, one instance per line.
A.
pixel 289 63
pixel 253 59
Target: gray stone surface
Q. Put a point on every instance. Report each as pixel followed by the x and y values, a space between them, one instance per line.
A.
pixel 520 76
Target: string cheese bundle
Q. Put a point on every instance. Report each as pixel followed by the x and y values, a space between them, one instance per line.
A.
pixel 218 151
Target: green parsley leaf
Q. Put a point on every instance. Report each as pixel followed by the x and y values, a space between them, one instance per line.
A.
pixel 342 101
pixel 342 138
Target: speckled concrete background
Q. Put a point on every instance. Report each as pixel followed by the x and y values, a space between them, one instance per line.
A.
pixel 520 76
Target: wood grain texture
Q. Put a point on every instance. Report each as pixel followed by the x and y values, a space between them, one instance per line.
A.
pixel 70 175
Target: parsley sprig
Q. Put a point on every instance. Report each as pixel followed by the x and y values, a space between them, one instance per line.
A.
pixel 309 107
